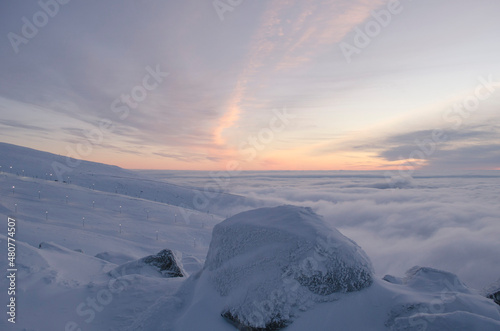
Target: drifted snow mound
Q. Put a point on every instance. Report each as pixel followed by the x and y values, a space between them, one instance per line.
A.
pixel 164 264
pixel 429 280
pixel 440 301
pixel 268 262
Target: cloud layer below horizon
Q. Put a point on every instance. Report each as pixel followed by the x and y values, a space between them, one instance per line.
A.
pixel 446 222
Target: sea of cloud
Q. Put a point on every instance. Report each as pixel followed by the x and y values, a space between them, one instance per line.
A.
pixel 450 222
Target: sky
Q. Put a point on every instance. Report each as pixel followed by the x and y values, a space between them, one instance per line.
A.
pixel 258 85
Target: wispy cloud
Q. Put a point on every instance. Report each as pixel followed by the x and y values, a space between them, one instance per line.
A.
pixel 291 34
pixel 471 147
pixel 16 125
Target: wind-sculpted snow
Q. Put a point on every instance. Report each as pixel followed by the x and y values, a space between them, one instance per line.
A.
pixel 440 302
pixel 270 263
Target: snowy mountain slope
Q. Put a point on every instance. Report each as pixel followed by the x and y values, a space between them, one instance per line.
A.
pixel 90 218
pixel 62 227
pixel 30 163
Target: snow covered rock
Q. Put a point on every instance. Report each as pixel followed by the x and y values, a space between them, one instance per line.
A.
pixel 164 264
pixel 268 262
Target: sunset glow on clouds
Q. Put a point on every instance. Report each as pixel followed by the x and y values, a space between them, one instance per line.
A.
pixel 169 85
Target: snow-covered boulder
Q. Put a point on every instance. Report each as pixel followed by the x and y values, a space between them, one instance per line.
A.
pixel 164 264
pixel 269 263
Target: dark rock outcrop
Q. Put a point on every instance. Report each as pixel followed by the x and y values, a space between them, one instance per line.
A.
pixel 166 262
pixel 495 297
pixel 276 323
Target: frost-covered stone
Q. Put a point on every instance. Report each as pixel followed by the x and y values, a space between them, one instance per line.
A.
pixel 163 264
pixel 166 262
pixel 271 262
pixel 495 296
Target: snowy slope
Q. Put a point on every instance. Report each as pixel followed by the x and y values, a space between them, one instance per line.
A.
pixel 71 235
pixel 54 280
pixel 30 163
